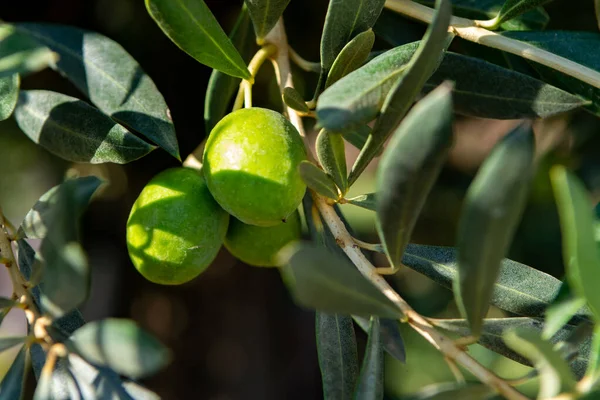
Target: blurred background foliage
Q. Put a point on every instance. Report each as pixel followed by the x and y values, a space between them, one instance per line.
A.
pixel 234 331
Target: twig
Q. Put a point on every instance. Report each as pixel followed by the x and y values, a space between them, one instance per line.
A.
pixel 468 30
pixel 278 38
pixel 308 66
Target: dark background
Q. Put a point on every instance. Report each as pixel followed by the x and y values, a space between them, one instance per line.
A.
pixel 234 331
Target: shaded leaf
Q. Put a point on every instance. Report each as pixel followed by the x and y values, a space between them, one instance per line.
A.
pixel 453 391
pixel 370 380
pixel 366 201
pixel 20 53
pixel 36 223
pixel 555 374
pixel 425 61
pixel 409 168
pixel 353 55
pixel 9 93
pixel 332 156
pixel 120 345
pixel 325 281
pixel 489 218
pixel 265 14
pixel 294 100
pixel 579 47
pixel 338 359
pixel 519 288
pixel 390 336
pixel 7 303
pixel 12 385
pixel 112 80
pixel 7 342
pixel 193 28
pixel 514 8
pixel 357 137
pixel 560 313
pixel 317 180
pixel 221 87
pixel 74 130
pixel 581 256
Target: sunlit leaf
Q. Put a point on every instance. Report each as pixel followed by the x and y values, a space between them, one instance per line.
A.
pixel 332 156
pixel 112 80
pixel 559 313
pixel 120 345
pixel 404 91
pixel 265 14
pixel 370 380
pixel 294 100
pixel 338 359
pixel 316 179
pixel 12 384
pixel 352 56
pixel 409 167
pixel 193 28
pixel 9 93
pixel 366 201
pixel 390 336
pixel 555 374
pixel 581 254
pixel 74 130
pixel 325 281
pixel 490 216
pixel 20 53
pixel 514 8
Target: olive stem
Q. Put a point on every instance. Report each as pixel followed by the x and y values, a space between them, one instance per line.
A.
pixel 244 95
pixel 472 31
pixel 306 65
pixel 346 242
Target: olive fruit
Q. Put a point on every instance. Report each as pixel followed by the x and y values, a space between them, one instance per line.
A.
pixel 259 245
pixel 175 228
pixel 251 163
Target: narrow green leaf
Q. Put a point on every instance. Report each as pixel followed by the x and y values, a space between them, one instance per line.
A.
pixel 74 130
pixel 7 303
pixel 579 47
pixel 453 391
pixel 9 93
pixel 401 96
pixel 36 223
pixel 120 345
pixel 13 384
pixel 7 342
pixel 581 256
pixel 357 137
pixel 317 180
pixel 221 87
pixel 344 20
pixel 490 216
pixel 21 54
pixel 409 168
pixel 514 8
pixel 555 374
pixel 353 55
pixel 338 359
pixel 332 156
pixel 366 201
pixel 519 289
pixel 325 281
pixel 265 14
pixel 559 314
pixel 112 80
pixel 370 380
pixel 193 28
pixel 293 99
pixel 390 336
pixel 593 367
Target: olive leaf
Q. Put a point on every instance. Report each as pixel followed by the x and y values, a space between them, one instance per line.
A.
pixel 112 80
pixel 193 28
pixel 327 282
pixel 74 130
pixel 20 53
pixel 366 201
pixel 316 179
pixel 120 345
pixel 357 137
pixel 332 156
pixel 581 253
pixel 338 359
pixel 12 385
pixel 294 100
pixel 10 341
pixel 409 168
pixel 560 312
pixel 9 93
pixel 265 14
pixel 489 218
pixel 352 56
pixel 370 380
pixel 514 8
pixel 391 336
pixel 221 86
pixel 402 94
